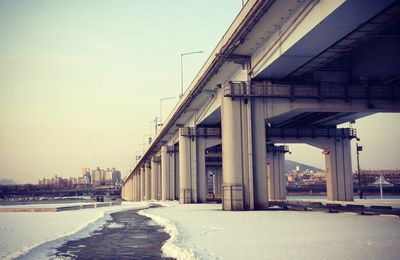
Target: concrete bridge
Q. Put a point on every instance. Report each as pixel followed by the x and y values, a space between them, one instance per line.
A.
pixel 284 72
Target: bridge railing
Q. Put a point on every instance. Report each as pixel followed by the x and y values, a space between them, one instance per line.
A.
pixel 200 131
pixel 345 133
pixel 324 90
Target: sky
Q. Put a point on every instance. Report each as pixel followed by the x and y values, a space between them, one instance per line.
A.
pixel 81 82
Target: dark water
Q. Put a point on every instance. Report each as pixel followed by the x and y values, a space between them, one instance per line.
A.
pixel 126 236
pixel 368 197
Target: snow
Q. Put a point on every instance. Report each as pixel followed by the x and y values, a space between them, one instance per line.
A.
pixel 21 232
pixel 204 231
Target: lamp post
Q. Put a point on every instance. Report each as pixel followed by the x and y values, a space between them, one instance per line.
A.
pixel 185 54
pixel 162 99
pixel 149 141
pixel 359 148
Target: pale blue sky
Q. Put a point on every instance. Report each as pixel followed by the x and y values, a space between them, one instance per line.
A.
pixel 80 81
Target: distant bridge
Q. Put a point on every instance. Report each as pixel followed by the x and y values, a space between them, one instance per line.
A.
pixel 284 72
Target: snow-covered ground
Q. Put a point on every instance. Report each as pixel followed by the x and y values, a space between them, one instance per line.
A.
pixel 205 231
pixel 21 232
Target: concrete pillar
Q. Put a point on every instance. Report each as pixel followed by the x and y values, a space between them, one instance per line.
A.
pixel 138 186
pixel 133 187
pixel 243 154
pixel 259 155
pixel 217 181
pixel 232 155
pixel 192 166
pixel 128 189
pixel 147 181
pixel 201 170
pixel 165 173
pixel 176 176
pixel 154 179
pixel 276 172
pixel 185 165
pixel 142 183
pixel 159 179
pixel 339 180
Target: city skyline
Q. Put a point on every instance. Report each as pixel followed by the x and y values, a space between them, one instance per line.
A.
pixel 80 83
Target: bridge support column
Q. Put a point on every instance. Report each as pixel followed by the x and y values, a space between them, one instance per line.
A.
pixel 217 182
pixel 136 194
pixel 154 178
pixel 142 183
pixel 175 185
pixel 138 186
pixel 339 179
pixel 276 172
pixel 133 187
pixel 127 190
pixel 192 167
pixel 123 192
pixel 185 168
pixel 165 173
pixel 147 181
pixel 243 154
pixel 201 170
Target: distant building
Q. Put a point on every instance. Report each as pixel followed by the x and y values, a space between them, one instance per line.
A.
pixel 95 177
pixel 98 176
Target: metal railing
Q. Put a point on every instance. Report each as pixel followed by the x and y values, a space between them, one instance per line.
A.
pixel 324 90
pixel 345 133
pixel 200 131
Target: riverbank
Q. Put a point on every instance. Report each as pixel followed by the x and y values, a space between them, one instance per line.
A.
pixel 23 233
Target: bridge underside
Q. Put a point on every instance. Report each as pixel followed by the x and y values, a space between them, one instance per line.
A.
pixel 274 86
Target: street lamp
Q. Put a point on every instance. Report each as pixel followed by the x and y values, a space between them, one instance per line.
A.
pixel 149 141
pixel 359 148
pixel 185 54
pixel 162 99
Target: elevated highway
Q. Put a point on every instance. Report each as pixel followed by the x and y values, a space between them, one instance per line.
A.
pixel 284 70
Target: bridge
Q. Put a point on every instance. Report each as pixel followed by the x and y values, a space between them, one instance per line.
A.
pixel 284 72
